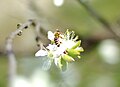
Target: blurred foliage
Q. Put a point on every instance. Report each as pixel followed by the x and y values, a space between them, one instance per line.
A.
pixel 3 71
pixel 71 15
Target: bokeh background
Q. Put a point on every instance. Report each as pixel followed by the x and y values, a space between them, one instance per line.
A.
pixel 100 62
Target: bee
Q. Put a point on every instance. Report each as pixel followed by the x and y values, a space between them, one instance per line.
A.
pixel 57 37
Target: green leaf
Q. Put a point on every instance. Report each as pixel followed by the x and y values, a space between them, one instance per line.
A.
pixel 76 45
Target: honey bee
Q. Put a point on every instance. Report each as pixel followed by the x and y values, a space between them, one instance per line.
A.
pixel 57 35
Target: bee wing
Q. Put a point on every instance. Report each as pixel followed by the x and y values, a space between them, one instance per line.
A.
pixel 47 64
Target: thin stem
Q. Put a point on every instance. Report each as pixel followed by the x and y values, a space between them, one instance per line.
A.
pixel 12 62
pixel 99 18
pixel 37 30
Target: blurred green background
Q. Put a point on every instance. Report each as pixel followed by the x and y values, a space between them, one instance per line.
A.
pixel 100 62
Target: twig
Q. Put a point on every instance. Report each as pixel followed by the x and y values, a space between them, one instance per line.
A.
pixel 38 37
pixel 9 47
pixel 12 63
pixel 99 18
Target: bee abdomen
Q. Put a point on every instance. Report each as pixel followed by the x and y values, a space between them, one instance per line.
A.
pixel 57 42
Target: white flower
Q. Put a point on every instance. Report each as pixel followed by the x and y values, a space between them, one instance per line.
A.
pixel 63 48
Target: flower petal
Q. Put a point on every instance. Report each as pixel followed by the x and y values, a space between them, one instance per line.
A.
pixel 41 53
pixel 50 35
pixel 56 60
pixel 51 47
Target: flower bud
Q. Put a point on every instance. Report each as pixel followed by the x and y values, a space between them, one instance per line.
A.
pixel 77 44
pixel 73 53
pixel 67 58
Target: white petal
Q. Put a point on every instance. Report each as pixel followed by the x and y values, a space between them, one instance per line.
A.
pixel 51 47
pixel 50 35
pixel 41 53
pixel 56 61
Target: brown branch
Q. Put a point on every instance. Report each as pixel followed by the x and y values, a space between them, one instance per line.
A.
pixel 37 29
pixel 12 62
pixel 99 18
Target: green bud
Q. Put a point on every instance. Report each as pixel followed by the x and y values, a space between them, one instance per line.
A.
pixel 80 49
pixel 76 45
pixel 79 57
pixel 67 58
pixel 73 53
pixel 62 64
